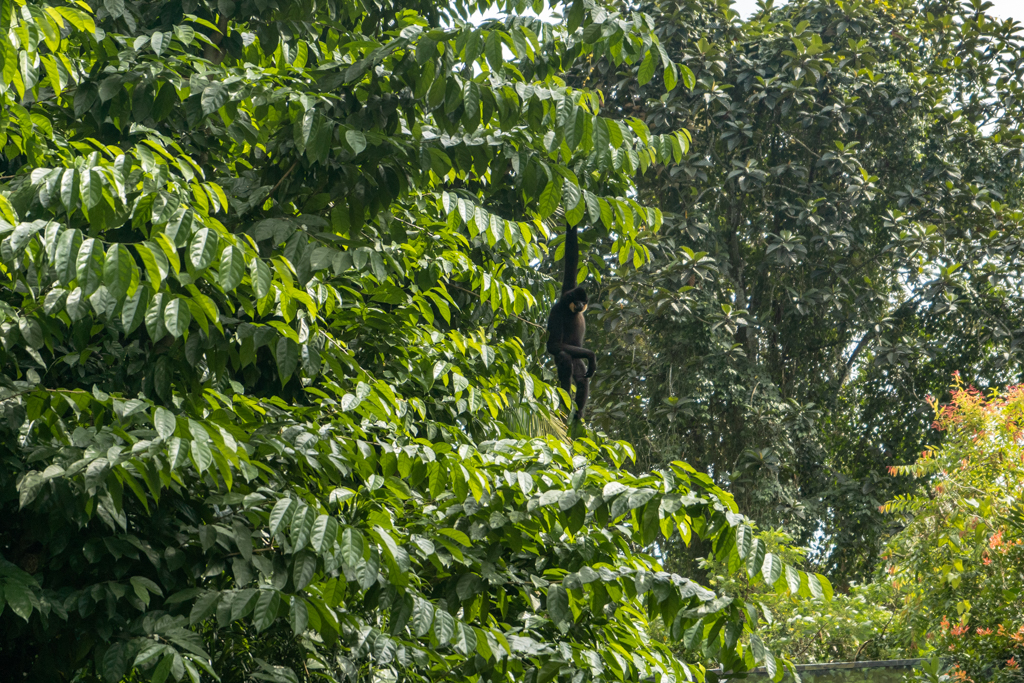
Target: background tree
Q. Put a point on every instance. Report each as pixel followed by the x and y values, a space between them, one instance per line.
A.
pixel 843 233
pixel 267 299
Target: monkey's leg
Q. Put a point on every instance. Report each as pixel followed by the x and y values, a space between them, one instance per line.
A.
pixel 564 362
pixel 582 394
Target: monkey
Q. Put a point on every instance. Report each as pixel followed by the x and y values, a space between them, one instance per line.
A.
pixel 566 328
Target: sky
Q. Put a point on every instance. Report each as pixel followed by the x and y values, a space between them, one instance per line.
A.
pixel 1004 9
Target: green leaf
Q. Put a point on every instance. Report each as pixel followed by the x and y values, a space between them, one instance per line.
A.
pixel 204 606
pixel 576 14
pixel 310 124
pixel 602 137
pixel 29 487
pixel 757 647
pixel 492 48
pixel 119 270
pixel 422 617
pixel 261 277
pixel 165 422
pixel 324 534
pixel 155 318
pixel 115 662
pixel 163 240
pixel 465 639
pixel 265 612
pixel 303 569
pixel 689 80
pixel 69 189
pixel 287 356
pixel 159 41
pixel 356 140
pixel 549 671
pixel 744 540
pixel 298 616
pixel 444 626
pixel 203 250
pixel 177 317
pixel 232 268
pixel 133 312
pixel 792 579
pixel 351 546
pixel 646 71
pixel 155 263
pixel 302 527
pixel 185 34
pixel 202 456
pixel 20 598
pixel 214 96
pixel 755 558
pixel 771 569
pixel 31 332
pixel 68 246
pixel 92 189
pixel 558 605
pixel 826 586
pixel 550 197
pixel 671 79
pixel 89 266
pixel 281 515
pixel 770 667
pixel 815 586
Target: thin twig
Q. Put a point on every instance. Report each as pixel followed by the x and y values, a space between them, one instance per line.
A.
pixel 876 637
pixel 286 174
pixel 469 291
pixel 409 223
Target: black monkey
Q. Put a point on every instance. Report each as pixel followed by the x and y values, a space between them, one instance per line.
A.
pixel 566 328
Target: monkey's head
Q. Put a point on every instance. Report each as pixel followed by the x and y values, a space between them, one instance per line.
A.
pixel 577 299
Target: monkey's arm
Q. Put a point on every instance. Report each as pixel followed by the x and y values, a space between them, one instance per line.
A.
pixel 572 259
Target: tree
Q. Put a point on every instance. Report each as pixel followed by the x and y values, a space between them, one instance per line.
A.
pixel 268 293
pixel 842 234
pixel 958 561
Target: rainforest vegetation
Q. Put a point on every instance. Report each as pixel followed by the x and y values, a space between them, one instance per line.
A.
pixel 277 397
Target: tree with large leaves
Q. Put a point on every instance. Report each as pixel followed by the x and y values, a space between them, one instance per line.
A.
pixel 269 306
pixel 844 232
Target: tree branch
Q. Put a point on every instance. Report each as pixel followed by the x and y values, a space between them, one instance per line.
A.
pixel 469 291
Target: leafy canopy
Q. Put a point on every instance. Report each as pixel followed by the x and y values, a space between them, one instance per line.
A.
pixel 268 299
pixel 843 234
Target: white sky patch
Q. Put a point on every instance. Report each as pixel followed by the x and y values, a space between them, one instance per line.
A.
pixel 1004 9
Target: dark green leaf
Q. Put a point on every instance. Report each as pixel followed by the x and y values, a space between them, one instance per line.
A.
pixel 214 97
pixel 203 250
pixel 177 317
pixel 232 267
pixel 119 270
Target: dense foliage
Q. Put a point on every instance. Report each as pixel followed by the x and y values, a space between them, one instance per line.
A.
pixel 959 562
pixel 271 379
pixel 843 233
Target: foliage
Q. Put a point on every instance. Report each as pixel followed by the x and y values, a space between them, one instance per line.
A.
pixel 959 562
pixel 269 301
pixel 857 624
pixel 930 670
pixel 860 624
pixel 843 233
